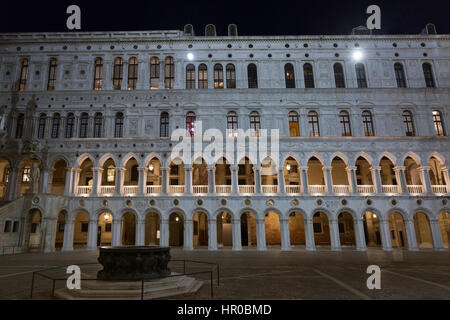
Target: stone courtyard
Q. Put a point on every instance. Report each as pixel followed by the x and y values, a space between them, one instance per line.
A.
pixel 273 274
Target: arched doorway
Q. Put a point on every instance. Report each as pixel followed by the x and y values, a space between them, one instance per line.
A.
pixel 372 229
pixel 128 229
pixel 423 231
pixel 152 229
pixel 292 180
pixel 346 229
pixel 85 180
pixel 248 229
pixel 444 225
pixel 60 228
pixel 34 230
pixel 176 230
pixel 58 182
pixel 272 229
pixel 339 176
pixel 321 229
pixel 224 223
pixel 80 230
pixel 223 177
pixel 297 229
pixel 397 230
pixel 200 229
pixel 246 177
pixel 316 181
pixel 104 229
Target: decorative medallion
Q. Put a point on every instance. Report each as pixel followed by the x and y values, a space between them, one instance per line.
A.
pixel 295 202
pixel 176 202
pixel 223 202
pixel 199 202
pixel 394 202
pixel 128 202
pixel 270 202
pixel 319 202
pixel 82 203
pixel 419 202
pixel 369 202
pixel 152 202
pixel 247 202
pixel 344 202
pixel 105 203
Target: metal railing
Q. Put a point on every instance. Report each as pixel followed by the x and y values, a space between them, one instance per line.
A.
pixel 10 250
pixel 55 279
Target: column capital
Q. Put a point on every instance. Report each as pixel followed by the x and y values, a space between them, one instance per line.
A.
pixel 351 168
pixel 120 169
pixel 234 167
pixel 97 170
pixel 424 168
pixel 375 168
pixel 304 168
pixel 399 168
pixel 211 168
pixel 327 168
pixel 92 221
pixel 187 167
pixel 143 169
pixel 256 168
pixel 164 168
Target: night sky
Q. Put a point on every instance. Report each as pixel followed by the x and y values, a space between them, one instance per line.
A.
pixel 276 17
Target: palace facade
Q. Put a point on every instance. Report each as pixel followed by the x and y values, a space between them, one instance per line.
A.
pixel 361 159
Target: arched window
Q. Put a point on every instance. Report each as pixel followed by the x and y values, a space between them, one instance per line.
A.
pixel 294 130
pixel 70 123
pixel 438 123
pixel 132 73
pixel 255 124
pixel 117 73
pixel 409 123
pixel 202 76
pixel 98 125
pixel 339 78
pixel 190 123
pixel 231 76
pixel 210 30
pixel 361 75
pixel 51 74
pixel 23 75
pixel 428 74
pixel 110 173
pixel 400 75
pixel 164 125
pixel 56 125
pixel 344 119
pixel 98 71
pixel 41 127
pixel 308 75
pixel 289 75
pixel 313 120
pixel 19 126
pixel 154 73
pixel 232 124
pixel 218 76
pixel 368 123
pixel 190 76
pixel 252 74
pixel 84 121
pixel 118 125
pixel 169 73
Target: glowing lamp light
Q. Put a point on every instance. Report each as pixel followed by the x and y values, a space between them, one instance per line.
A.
pixel 374 216
pixel 176 219
pixel 151 167
pixel 106 217
pixel 357 55
pixel 288 167
pixel 190 56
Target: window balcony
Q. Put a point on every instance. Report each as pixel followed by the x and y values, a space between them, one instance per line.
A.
pixel 176 189
pixel 366 189
pixel 153 190
pixel 415 189
pixel 130 190
pixel 317 189
pixel 269 189
pixel 439 190
pixel 107 190
pixel 83 190
pixel 390 189
pixel 341 189
pixel 247 189
pixel 293 189
pixel 200 189
pixel 225 189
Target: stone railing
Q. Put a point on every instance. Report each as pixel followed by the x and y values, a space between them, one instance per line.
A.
pixel 83 190
pixel 103 190
pixel 293 189
pixel 130 190
pixel 200 189
pixel 176 189
pixel 270 189
pixel 247 189
pixel 366 189
pixel 341 189
pixel 317 189
pixel 153 189
pixel 390 189
pixel 441 189
pixel 415 189
pixel 225 189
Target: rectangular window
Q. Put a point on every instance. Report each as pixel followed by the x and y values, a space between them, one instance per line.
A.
pixel 34 227
pixel 26 175
pixel 84 227
pixel 16 226
pixel 108 227
pixel 317 226
pixel 51 75
pixel 7 226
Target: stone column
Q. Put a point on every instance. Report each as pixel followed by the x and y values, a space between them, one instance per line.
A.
pixel 44 180
pixel 411 235
pixel 164 234
pixel 116 233
pixel 260 234
pixel 107 81
pixel 257 173
pixel 351 173
pixel 211 180
pixel 328 180
pixel 76 180
pixel 236 230
pixel 92 235
pixel 309 234
pixel 68 236
pixel 385 234
pixel 125 75
pixel 212 234
pixel 119 181
pixel 426 183
pixel 436 235
pixel 376 178
pixel 188 180
pixel 11 189
pixel 49 234
pixel 162 74
pixel 188 235
pixel 445 171
pixel 334 235
pixel 400 175
pixel 285 237
pixel 281 189
pixel 67 186
pixel 304 180
pixel 359 234
pixel 140 232
pixel 164 180
pixel 142 180
pixel 234 180
pixel 96 181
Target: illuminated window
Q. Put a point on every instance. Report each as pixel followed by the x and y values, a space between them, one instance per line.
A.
pixel 70 122
pixel 19 126
pixel 26 174
pixel 232 124
pixel 98 70
pixel 308 75
pixel 361 75
pixel 202 76
pixel 6 174
pixel 190 76
pixel 117 74
pixel 409 123
pixel 218 76
pixel 428 74
pixel 98 125
pixel 51 75
pixel 164 125
pixel 41 127
pixel 400 75
pixel 132 73
pixel 289 75
pixel 110 173
pixel 438 123
pixel 294 130
pixel 84 121
pixel 255 123
pixel 231 76
pixel 368 123
pixel 23 75
pixel 313 120
pixel 169 73
pixel 252 75
pixel 190 123
pixel 344 119
pixel 339 78
pixel 118 126
pixel 154 73
pixel 56 125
